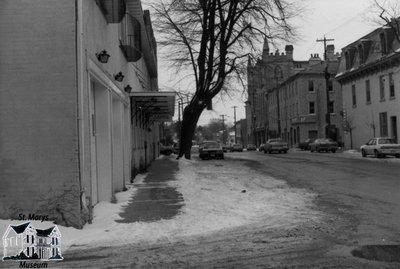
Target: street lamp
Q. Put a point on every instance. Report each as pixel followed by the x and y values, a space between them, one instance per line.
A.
pixel 234 120
pixel 254 129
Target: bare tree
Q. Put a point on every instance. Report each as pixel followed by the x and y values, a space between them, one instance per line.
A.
pixel 348 126
pixel 389 14
pixel 213 39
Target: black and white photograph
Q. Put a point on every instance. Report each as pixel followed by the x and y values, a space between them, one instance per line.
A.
pixel 200 134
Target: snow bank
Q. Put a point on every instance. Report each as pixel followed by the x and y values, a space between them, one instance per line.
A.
pixel 217 195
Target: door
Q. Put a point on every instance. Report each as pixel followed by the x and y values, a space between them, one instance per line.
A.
pixel 370 146
pixel 93 153
pixel 393 123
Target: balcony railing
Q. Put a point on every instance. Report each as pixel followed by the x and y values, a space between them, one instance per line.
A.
pixel 131 43
pixel 114 10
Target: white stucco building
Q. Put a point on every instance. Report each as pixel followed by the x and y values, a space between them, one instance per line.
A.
pixel 369 74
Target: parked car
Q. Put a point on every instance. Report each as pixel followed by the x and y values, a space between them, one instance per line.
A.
pixel 251 147
pixel 176 148
pixel 226 147
pixel 210 150
pixel 277 145
pixel 166 150
pixel 381 147
pixel 305 145
pixel 194 149
pixel 261 147
pixel 237 147
pixel 324 144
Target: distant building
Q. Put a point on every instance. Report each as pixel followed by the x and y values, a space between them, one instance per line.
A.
pixel 297 108
pixel 262 76
pixel 287 98
pixel 370 79
pixel 79 104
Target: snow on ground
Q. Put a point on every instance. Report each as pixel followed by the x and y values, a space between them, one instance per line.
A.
pixel 217 195
pixel 352 153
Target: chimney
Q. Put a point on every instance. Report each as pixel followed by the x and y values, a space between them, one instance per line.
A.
pixel 330 52
pixel 314 59
pixel 289 51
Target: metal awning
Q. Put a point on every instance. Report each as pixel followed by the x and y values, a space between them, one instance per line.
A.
pixel 159 106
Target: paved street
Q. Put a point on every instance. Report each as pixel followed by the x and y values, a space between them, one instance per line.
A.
pixel 359 204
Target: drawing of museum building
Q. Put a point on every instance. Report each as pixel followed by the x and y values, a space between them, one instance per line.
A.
pixel 25 241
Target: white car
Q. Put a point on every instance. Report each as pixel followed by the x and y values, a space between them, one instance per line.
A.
pixel 380 147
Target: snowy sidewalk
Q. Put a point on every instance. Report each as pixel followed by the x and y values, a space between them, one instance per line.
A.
pixel 218 195
pixel 154 199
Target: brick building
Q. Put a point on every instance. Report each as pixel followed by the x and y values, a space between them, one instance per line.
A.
pixel 74 127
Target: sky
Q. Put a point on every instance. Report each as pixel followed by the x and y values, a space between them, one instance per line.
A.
pixel 344 21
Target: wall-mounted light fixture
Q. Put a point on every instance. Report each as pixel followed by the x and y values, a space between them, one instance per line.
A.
pixel 103 56
pixel 128 88
pixel 119 77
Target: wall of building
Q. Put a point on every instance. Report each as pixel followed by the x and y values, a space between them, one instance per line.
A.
pixel 371 57
pixel 364 116
pixel 128 135
pixel 65 137
pixel 39 164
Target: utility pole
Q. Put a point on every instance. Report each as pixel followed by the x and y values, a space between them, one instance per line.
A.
pixel 223 129
pixel 234 120
pixel 179 111
pixel 327 76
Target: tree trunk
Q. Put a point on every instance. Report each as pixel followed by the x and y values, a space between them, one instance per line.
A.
pixel 191 115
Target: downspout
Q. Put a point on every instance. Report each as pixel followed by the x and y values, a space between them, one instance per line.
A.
pixel 79 122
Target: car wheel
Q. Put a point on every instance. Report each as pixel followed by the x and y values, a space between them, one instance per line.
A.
pixel 363 153
pixel 397 155
pixel 311 149
pixel 333 150
pixel 377 155
pixel 285 151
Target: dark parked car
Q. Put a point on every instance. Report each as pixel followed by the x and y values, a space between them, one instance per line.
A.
pixel 237 147
pixel 276 145
pixel 210 150
pixel 305 145
pixel 166 150
pixel 261 147
pixel 251 147
pixel 324 144
pixel 226 147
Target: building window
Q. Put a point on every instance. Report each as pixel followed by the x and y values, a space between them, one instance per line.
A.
pixel 382 39
pixel 330 85
pixel 368 91
pixel 311 108
pixel 353 94
pixel 331 107
pixel 311 85
pixel 347 58
pixel 382 88
pixel 383 125
pixel 391 86
pixel 361 54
